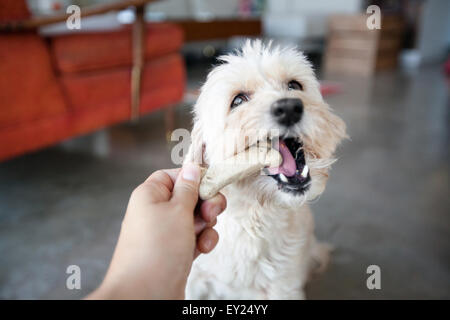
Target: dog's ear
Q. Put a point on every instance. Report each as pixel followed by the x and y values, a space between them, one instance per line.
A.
pixel 329 131
pixel 333 132
pixel 337 126
pixel 196 149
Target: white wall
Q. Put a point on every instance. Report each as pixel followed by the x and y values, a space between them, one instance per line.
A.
pixel 304 19
pixel 282 18
pixel 434 33
pixel 314 7
pixel 170 8
pixel 228 8
pixel 179 9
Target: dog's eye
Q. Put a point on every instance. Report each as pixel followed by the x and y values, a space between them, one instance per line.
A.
pixel 294 85
pixel 238 100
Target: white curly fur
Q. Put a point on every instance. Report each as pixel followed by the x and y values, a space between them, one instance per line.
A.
pixel 267 248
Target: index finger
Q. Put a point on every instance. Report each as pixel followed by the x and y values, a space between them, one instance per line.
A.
pixel 159 186
pixel 172 173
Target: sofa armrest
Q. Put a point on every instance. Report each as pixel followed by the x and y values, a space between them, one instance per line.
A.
pixel 138 35
pixel 34 23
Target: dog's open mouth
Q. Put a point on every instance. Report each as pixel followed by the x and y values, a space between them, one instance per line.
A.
pixel 293 173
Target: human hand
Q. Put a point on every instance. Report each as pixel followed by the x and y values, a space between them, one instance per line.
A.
pixel 164 229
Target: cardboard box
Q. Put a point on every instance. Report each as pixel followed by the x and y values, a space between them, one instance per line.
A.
pixel 353 48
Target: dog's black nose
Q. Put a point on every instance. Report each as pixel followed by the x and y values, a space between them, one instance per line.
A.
pixel 287 111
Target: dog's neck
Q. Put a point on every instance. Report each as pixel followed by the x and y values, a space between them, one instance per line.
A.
pixel 259 215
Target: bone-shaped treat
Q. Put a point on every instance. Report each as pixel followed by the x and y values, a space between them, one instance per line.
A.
pixel 240 166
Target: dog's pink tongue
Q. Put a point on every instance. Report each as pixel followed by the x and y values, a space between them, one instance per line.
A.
pixel 288 165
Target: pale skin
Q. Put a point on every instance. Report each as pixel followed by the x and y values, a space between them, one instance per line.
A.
pixel 164 229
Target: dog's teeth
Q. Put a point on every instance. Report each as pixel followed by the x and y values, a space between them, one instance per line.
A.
pixel 283 178
pixel 305 171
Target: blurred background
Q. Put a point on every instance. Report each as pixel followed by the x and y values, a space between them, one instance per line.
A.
pixel 86 115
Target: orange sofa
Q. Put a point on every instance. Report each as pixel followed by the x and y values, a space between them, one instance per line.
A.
pixel 60 87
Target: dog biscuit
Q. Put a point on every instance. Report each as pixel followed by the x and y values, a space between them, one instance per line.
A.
pixel 240 166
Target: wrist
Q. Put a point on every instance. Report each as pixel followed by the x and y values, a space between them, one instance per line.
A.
pixel 99 294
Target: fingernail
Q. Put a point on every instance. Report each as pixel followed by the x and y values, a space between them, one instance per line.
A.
pixel 191 172
pixel 208 244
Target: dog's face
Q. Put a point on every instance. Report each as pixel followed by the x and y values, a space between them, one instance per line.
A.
pixel 266 89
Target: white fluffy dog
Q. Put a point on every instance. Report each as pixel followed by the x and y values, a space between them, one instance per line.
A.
pixel 267 248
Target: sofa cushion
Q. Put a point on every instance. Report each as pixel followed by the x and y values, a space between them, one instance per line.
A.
pixel 91 90
pixel 47 131
pixel 99 99
pixel 28 87
pixel 100 50
pixel 12 10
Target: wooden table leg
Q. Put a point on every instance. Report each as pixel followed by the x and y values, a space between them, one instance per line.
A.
pixel 138 61
pixel 169 121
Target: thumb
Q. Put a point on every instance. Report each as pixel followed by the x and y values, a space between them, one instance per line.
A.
pixel 186 186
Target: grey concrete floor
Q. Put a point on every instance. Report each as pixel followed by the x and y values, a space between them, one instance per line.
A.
pixel 386 204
